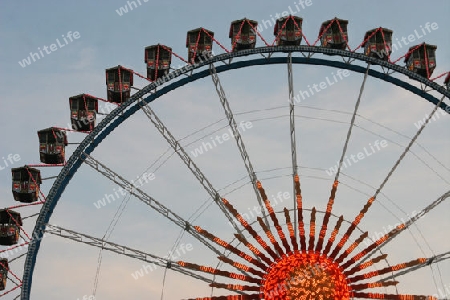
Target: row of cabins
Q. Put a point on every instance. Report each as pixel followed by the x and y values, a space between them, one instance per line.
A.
pixel 287 31
pixel 243 33
pixel 26 181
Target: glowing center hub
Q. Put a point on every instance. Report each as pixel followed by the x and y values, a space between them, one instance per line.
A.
pixel 305 276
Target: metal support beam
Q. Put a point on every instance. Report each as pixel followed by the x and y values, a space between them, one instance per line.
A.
pixel 122 250
pixel 395 232
pixel 237 136
pixel 292 135
pixel 142 196
pixel 188 161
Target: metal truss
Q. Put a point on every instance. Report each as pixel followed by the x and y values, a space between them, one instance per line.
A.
pixel 188 161
pixel 142 196
pixel 395 232
pixel 237 136
pixel 431 260
pixel 292 135
pixel 122 250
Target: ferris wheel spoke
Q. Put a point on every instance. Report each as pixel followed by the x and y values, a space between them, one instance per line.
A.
pixel 240 143
pixel 326 218
pixel 122 250
pixel 352 123
pixel 426 262
pixel 369 203
pixel 142 196
pixel 411 143
pixel 213 193
pixel 396 231
pixel 293 143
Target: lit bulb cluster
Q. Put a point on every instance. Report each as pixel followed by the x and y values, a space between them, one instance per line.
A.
pixel 308 270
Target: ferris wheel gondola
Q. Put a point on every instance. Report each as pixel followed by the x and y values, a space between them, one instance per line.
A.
pixel 243 34
pixel 288 31
pixel 378 43
pixel 333 34
pixel 83 112
pixel 26 184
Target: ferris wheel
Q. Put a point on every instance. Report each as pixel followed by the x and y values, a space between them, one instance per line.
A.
pixel 266 244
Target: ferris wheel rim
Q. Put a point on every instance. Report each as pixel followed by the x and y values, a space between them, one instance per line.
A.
pixel 128 108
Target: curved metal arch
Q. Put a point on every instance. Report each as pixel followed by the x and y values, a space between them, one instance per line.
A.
pixel 124 111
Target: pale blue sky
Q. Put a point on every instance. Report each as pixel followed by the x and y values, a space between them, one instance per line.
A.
pixel 36 97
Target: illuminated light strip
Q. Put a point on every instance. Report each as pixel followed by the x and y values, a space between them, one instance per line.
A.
pixel 412 50
pixel 270 236
pixel 352 247
pixel 283 239
pixel 238 35
pixel 249 228
pixel 273 217
pixel 439 76
pixel 425 54
pixel 16 246
pixel 215 271
pixel 326 218
pixel 368 38
pixel 253 249
pixel 11 290
pixel 101 99
pixel 11 272
pixel 85 104
pixel 157 62
pixel 352 227
pixel 301 225
pixel 267 247
pixel 325 30
pixel 73 130
pixel 25 205
pixel 397 267
pixel 312 230
pixel 54 134
pixel 384 44
pixel 229 247
pixel 333 235
pixel 259 34
pixel 176 55
pixel 120 87
pixel 235 287
pixel 392 297
pixel 281 30
pixel 46 165
pixel 363 286
pixel 196 47
pixel 230 297
pixel 241 266
pixel 365 265
pixel 137 74
pixel 371 247
pixel 18 225
pixel 304 36
pixel 342 33
pixel 291 229
pixel 217 42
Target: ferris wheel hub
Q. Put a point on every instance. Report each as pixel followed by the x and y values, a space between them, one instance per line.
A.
pixel 299 274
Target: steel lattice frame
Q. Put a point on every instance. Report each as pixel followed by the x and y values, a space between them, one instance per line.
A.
pixel 127 109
